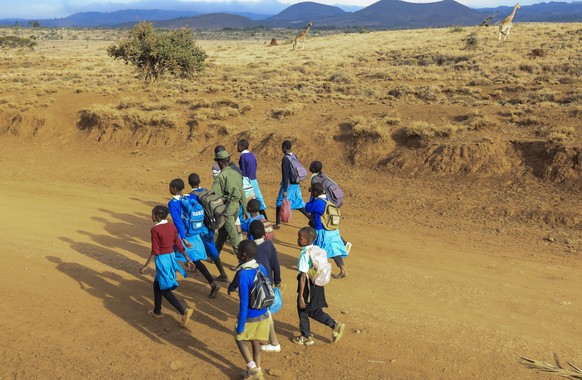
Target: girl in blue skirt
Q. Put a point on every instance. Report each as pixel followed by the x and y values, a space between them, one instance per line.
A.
pixel 290 188
pixel 330 241
pixel 194 246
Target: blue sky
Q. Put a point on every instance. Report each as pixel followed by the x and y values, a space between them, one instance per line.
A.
pixel 39 9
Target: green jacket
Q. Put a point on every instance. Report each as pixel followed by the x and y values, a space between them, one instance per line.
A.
pixel 229 185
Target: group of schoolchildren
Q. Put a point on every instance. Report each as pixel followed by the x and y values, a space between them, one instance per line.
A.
pixel 192 242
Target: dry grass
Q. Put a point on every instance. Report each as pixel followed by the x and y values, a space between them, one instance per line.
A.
pixel 426 75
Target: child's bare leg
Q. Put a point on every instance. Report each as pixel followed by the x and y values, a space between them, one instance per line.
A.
pixel 339 261
pixel 257 352
pixel 244 350
pixel 272 335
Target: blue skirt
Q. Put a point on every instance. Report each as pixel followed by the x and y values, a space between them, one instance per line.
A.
pixel 166 266
pixel 293 195
pixel 331 242
pixel 258 194
pixel 207 236
pixel 196 253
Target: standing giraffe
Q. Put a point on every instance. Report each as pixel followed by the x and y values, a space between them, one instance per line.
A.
pixel 506 24
pixel 301 37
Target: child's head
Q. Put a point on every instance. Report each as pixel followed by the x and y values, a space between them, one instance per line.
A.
pixel 176 186
pixel 194 180
pixel 247 250
pixel 316 167
pixel 242 144
pixel 257 229
pixel 286 146
pixel 159 213
pixel 306 236
pixel 253 206
pixel 316 189
pixel 219 148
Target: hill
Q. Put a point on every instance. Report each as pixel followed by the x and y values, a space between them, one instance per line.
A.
pixel 384 14
pixel 400 14
pixel 99 19
pixel 542 12
pixel 306 11
pixel 209 21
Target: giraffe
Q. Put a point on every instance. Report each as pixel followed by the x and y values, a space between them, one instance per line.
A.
pixel 301 37
pixel 506 24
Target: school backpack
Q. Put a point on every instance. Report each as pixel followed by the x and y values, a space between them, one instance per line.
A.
pixel 248 189
pixel 334 193
pixel 261 294
pixel 331 216
pixel 214 208
pixel 320 271
pixel 298 172
pixel 192 215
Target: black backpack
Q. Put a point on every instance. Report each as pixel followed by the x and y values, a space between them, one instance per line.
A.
pixel 214 208
pixel 261 294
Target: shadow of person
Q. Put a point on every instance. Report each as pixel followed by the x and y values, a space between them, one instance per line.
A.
pixel 150 204
pixel 126 300
pixel 106 256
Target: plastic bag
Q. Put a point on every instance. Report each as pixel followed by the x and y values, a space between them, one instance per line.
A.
pixel 277 303
pixel 285 211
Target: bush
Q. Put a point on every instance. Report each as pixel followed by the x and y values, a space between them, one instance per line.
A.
pixel 13 42
pixel 154 53
pixel 472 42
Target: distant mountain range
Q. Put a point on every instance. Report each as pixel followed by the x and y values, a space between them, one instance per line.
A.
pixel 384 14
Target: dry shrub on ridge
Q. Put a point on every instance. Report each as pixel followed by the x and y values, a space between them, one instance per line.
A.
pixel 291 109
pixel 426 131
pixel 364 127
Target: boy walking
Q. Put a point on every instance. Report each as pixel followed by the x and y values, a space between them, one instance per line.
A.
pixel 248 166
pixel 252 324
pixel 310 297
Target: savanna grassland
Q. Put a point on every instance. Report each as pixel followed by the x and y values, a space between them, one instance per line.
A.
pixel 460 157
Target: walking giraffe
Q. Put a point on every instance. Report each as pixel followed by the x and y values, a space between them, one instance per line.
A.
pixel 506 24
pixel 301 37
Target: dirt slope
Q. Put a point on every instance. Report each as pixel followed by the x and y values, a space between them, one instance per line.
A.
pixel 466 241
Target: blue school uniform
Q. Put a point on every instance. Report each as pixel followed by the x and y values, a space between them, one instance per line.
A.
pixel 245 225
pixel 207 233
pixel 248 166
pixel 293 189
pixel 197 252
pixel 166 266
pixel 246 275
pixel 330 241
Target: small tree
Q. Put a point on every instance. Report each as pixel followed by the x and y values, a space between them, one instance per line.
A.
pixel 154 53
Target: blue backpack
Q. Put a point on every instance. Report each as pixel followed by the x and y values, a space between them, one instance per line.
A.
pixel 192 215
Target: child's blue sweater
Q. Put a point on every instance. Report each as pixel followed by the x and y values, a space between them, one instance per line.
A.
pixel 316 207
pixel 246 278
pixel 176 213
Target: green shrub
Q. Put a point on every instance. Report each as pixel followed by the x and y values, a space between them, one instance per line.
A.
pixel 154 53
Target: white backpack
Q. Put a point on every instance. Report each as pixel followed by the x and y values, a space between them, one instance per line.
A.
pixel 320 272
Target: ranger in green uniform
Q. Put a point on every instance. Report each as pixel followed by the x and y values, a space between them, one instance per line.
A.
pixel 229 185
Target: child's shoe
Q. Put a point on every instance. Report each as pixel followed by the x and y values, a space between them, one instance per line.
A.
pixel 304 341
pixel 186 316
pixel 271 348
pixel 155 315
pixel 252 374
pixel 221 278
pixel 213 290
pixel 338 331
